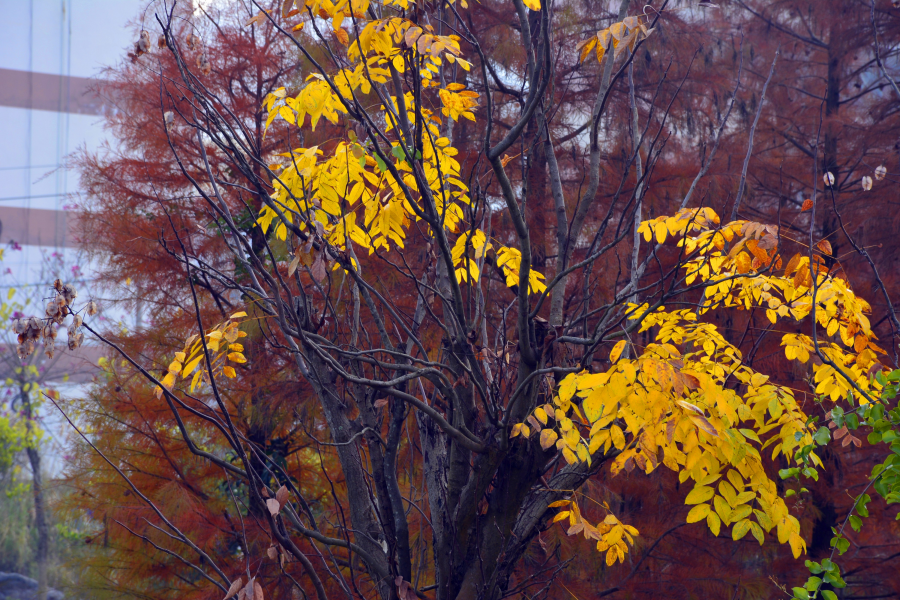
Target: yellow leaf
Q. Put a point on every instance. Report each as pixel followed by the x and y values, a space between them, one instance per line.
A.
pixel 516 430
pixel 548 438
pixel 236 357
pixel 541 415
pixel 616 351
pixel 698 513
pixel 740 529
pixel 563 514
pixel 189 368
pixel 618 437
pixel 798 546
pixel 533 4
pixel 714 523
pixel 661 231
pixel 700 493
pixel 229 372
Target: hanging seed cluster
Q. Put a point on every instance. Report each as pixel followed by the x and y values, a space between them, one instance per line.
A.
pixel 31 330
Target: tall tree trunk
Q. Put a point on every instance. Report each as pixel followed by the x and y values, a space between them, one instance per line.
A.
pixel 40 512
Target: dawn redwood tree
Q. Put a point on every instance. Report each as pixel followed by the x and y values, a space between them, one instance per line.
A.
pixel 463 398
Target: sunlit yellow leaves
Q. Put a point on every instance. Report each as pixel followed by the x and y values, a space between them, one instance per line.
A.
pixel 221 347
pixel 532 4
pixel 458 103
pixel 619 36
pixel 613 537
pixel 668 407
pixel 470 242
pixel 510 260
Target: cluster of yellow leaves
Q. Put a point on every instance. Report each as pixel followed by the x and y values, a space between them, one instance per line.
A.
pixel 618 36
pixel 458 104
pixel 611 534
pixel 671 406
pixel 388 39
pixel 740 265
pixel 223 346
pixel 316 99
pixel 510 260
pixel 467 267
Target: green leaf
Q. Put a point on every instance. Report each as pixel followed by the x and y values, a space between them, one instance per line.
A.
pixel 381 165
pixel 750 435
pixel 786 473
pixel 855 522
pixel 823 436
pixel 801 593
pixel 813 583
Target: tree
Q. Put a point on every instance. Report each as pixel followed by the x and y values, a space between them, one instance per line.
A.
pixel 406 305
pixel 31 371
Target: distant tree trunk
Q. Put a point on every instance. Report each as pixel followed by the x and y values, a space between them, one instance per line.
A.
pixel 40 514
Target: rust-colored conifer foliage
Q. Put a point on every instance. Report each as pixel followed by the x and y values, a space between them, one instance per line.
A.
pixel 438 302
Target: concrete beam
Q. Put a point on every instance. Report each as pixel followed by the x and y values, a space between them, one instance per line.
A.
pixel 42 91
pixel 37 227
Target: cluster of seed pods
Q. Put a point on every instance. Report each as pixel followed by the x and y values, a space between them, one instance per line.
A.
pixel 30 330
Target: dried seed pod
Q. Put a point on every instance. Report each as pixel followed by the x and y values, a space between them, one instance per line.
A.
pixel 48 333
pixel 161 41
pixel 75 339
pixel 19 326
pixel 58 285
pixel 880 172
pixel 866 183
pixel 49 350
pixel 77 321
pixel 192 41
pixel 92 308
pixel 203 63
pixel 34 327
pixel 168 117
pixel 828 178
pixel 21 338
pixel 69 293
pixel 143 43
pixel 52 309
pixel 22 352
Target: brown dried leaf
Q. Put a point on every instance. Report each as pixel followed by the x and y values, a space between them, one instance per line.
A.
pixel 273 505
pixel 807 205
pixel 257 591
pixel 282 495
pixel 381 402
pixel 233 589
pixel 294 264
pixel 271 552
pixel 318 268
pixel 825 247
